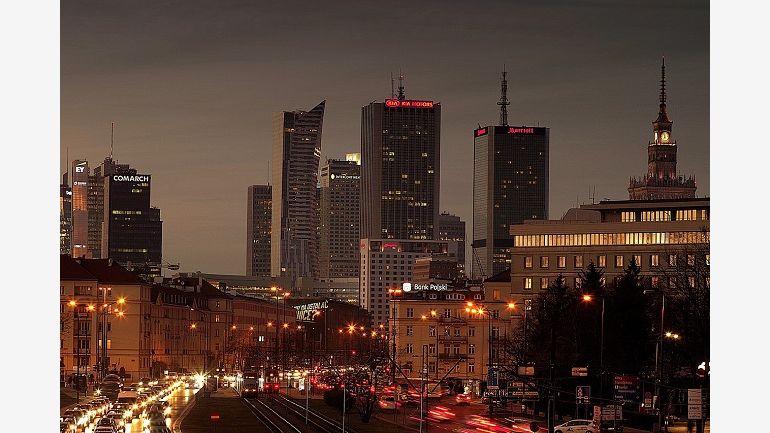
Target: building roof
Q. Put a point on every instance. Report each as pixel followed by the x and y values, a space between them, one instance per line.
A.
pixel 107 271
pixel 70 269
pixel 500 277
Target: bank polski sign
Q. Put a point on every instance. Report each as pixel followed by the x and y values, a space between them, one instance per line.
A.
pixel 415 287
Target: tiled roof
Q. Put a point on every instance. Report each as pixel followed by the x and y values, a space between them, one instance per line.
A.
pixel 70 269
pixel 107 271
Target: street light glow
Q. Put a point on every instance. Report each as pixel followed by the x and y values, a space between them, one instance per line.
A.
pixel 587 298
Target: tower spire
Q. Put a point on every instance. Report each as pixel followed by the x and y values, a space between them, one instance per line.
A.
pixel 503 103
pixel 392 87
pixel 401 96
pixel 663 83
pixel 112 138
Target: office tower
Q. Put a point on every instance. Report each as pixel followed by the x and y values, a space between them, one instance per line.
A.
pixel 79 176
pixel 400 144
pixel 661 181
pixel 65 218
pixel 510 185
pixel 258 219
pixel 340 218
pixel 132 234
pixel 296 154
pixel 96 182
pixel 452 228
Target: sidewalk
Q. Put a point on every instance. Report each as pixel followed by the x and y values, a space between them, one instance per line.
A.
pixel 68 398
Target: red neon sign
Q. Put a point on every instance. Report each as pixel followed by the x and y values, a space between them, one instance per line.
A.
pixel 480 132
pixel 521 130
pixel 390 246
pixel 408 103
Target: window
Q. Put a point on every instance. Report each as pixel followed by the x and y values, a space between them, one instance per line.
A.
pixel 431 331
pixel 691 282
pixel 655 281
pixel 496 295
pixel 659 215
pixel 471 349
pixel 672 259
pixel 691 260
pixel 447 331
pixel 654 261
pixel 431 349
pixel 602 261
pixel 446 349
pixel 447 313
pixel 544 282
pixel 561 262
pixel 409 330
pixel 457 332
pixel 409 348
pixel 618 261
pixel 471 332
pixel 471 367
pixel 638 260
pixel 708 259
pixel 578 282
pixel 628 217
pixel 456 349
pixel 410 313
pixel 528 283
pixel 528 262
pixel 579 262
pixel 544 261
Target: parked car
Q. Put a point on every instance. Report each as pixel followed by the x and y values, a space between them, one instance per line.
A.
pixel 576 426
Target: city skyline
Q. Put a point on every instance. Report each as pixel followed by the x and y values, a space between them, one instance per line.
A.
pixel 170 131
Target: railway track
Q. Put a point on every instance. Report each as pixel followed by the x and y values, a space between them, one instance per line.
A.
pixel 280 414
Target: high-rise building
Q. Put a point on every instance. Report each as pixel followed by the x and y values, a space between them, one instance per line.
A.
pixel 65 218
pixel 258 220
pixel 132 233
pixel 388 264
pixel 452 228
pixel 662 180
pixel 510 185
pixel 340 218
pixel 79 176
pixel 400 143
pixel 296 154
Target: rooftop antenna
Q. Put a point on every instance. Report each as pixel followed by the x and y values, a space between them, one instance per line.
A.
pixel 663 83
pixel 268 172
pixel 504 100
pixel 392 87
pixel 401 86
pixel 112 138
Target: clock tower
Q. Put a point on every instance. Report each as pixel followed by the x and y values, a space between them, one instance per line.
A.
pixel 661 181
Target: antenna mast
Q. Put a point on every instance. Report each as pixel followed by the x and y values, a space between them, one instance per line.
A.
pixel 503 103
pixel 392 87
pixel 401 96
pixel 112 138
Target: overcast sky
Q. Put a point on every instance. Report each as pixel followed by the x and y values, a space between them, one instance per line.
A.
pixel 192 85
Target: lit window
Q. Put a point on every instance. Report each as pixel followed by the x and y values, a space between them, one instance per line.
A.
pixel 638 260
pixel 618 261
pixel 543 261
pixel 471 349
pixel 691 282
pixel 409 348
pixel 579 262
pixel 628 217
pixel 602 261
pixel 578 282
pixel 691 260
pixel 431 331
pixel 654 260
pixel 528 283
pixel 528 262
pixel 544 282
pixel 708 259
pixel 655 281
pixel 672 259
pixel 561 262
pixel 409 330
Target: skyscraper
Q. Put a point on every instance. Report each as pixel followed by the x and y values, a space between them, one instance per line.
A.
pixel 510 185
pixel 400 142
pixel 340 218
pixel 452 228
pixel 661 181
pixel 79 176
pixel 258 219
pixel 65 218
pixel 296 154
pixel 132 234
pixel 96 185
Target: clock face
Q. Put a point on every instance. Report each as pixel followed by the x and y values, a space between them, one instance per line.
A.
pixel 664 137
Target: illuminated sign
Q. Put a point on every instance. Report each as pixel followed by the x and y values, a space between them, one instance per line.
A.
pixel 521 130
pixel 305 312
pixel 79 169
pixel 408 287
pixel 408 103
pixel 344 176
pixel 389 246
pixel 130 178
pixel 481 131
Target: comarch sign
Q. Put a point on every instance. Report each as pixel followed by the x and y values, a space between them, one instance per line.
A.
pixel 305 312
pixel 131 178
pixel 409 287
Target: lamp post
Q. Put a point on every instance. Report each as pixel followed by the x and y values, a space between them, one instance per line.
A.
pixel 589 298
pixel 393 293
pixel 659 355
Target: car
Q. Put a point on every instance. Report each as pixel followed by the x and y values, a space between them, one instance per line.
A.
pixel 105 429
pixel 67 424
pixel 119 419
pixel 272 388
pixel 388 403
pixel 576 426
pixel 80 416
pixel 462 399
pixel 107 421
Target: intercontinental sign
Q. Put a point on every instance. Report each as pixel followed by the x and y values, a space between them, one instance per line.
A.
pixel 305 312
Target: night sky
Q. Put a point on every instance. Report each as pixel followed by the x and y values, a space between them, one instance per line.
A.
pixel 192 86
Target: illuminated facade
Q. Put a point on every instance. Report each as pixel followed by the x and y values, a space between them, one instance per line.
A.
pixel 510 185
pixel 258 232
pixel 65 218
pixel 609 234
pixel 662 180
pixel 79 176
pixel 387 264
pixel 400 144
pixel 296 154
pixel 340 219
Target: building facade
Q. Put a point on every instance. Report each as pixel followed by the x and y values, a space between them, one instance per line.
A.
pixel 400 144
pixel 65 218
pixel 259 216
pixel 79 176
pixel 662 180
pixel 387 264
pixel 340 213
pixel 296 154
pixel 657 234
pixel 452 228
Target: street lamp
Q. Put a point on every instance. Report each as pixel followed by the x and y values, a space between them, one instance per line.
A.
pixel 659 354
pixel 393 293
pixel 588 298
